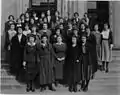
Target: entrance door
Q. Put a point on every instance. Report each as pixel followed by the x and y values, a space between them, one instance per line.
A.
pixel 99 13
pixel 103 12
pixel 42 6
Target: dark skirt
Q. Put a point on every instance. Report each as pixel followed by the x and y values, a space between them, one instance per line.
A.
pixel 31 72
pixel 86 67
pixel 74 73
pixel 46 70
pixel 59 69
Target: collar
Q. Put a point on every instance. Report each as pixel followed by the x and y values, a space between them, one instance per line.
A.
pixel 31 44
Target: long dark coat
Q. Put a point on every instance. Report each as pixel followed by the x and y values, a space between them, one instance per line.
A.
pixel 46 63
pixel 30 59
pixel 60 51
pixel 74 65
pixel 86 61
pixel 17 51
pixel 92 40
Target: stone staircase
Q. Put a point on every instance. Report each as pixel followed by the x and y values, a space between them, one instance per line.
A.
pixel 9 82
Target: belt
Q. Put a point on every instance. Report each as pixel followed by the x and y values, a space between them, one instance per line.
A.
pixel 105 39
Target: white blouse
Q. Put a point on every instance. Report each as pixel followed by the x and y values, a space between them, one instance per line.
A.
pixel 11 34
pixel 105 34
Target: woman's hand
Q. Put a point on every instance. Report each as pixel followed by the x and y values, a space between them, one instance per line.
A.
pixel 111 46
pixel 59 59
pixel 24 63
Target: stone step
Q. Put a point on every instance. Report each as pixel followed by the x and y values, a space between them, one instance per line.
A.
pixel 5 87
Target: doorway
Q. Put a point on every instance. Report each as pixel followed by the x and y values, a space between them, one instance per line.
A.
pixel 40 6
pixel 99 14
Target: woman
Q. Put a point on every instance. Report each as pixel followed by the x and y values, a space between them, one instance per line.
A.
pixel 45 56
pixel 107 44
pixel 60 50
pixel 18 43
pixel 9 35
pixel 74 65
pixel 53 38
pixel 29 62
pixel 86 63
pixel 10 21
pixel 91 39
pixel 98 36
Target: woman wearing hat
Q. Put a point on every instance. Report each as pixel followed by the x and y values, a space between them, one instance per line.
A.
pixel 45 56
pixel 29 62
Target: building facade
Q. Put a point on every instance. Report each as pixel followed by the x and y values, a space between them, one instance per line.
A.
pixel 65 7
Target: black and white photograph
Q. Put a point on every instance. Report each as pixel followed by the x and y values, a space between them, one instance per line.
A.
pixel 60 47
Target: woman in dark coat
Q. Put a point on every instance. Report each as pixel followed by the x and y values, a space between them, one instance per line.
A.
pixel 74 65
pixel 86 63
pixel 92 40
pixel 18 43
pixel 60 50
pixel 30 62
pixel 45 60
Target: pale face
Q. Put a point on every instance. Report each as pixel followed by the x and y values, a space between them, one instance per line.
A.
pixel 33 29
pixel 96 27
pixel 34 14
pixel 74 40
pixel 88 30
pixel 27 15
pixel 61 27
pixel 11 18
pixel 26 27
pixel 56 14
pixel 44 39
pixel 32 21
pixel 31 39
pixel 70 26
pixel 82 26
pixel 48 12
pixel 75 32
pixel 20 31
pixel 45 26
pixel 105 26
pixel 58 32
pixel 59 39
pixel 43 15
pixel 84 39
pixel 19 21
pixel 12 27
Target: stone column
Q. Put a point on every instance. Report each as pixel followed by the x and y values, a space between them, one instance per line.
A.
pixel 116 23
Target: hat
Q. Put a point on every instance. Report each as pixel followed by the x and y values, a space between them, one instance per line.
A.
pixel 31 35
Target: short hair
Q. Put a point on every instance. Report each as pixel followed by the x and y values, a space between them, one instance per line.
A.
pixel 57 12
pixel 106 23
pixel 19 27
pixel 31 35
pixel 11 16
pixel 76 13
pixel 22 15
pixel 44 35
pixel 12 24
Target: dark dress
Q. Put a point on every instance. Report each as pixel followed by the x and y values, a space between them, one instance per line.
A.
pixel 86 61
pixel 45 61
pixel 17 52
pixel 30 59
pixel 92 40
pixel 60 51
pixel 74 64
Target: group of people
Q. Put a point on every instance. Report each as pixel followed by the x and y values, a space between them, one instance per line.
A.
pixel 56 50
